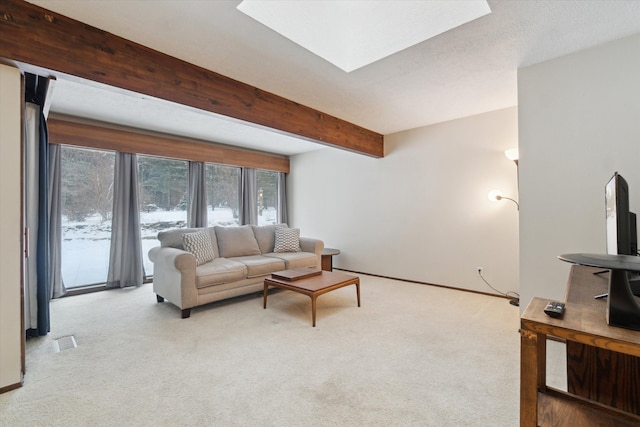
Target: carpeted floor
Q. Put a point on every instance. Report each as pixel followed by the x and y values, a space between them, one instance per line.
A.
pixel 412 355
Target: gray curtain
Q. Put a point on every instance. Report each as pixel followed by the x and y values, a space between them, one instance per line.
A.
pixel 197 195
pixel 31 202
pixel 55 222
pixel 249 194
pixel 37 287
pixel 125 260
pixel 283 215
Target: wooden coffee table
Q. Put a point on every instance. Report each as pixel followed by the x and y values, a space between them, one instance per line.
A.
pixel 312 286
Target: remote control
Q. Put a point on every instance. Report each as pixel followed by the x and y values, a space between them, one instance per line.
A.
pixel 554 309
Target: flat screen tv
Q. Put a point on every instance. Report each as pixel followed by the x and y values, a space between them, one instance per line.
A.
pixel 622 236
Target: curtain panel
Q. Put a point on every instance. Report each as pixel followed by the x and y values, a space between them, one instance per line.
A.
pixel 249 194
pixel 55 222
pixel 32 223
pixel 37 265
pixel 283 216
pixel 197 209
pixel 125 259
pixel 37 280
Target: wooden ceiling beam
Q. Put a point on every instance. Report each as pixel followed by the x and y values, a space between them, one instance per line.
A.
pixel 42 38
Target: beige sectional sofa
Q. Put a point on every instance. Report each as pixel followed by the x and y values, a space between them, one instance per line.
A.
pixel 188 275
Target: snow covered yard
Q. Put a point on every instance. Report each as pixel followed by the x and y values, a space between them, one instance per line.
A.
pixel 85 245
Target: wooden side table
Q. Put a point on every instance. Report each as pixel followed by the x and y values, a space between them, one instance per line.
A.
pixel 327 258
pixel 607 403
pixel 606 376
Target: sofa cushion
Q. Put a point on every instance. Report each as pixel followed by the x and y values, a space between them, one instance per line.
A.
pixel 173 238
pixel 266 237
pixel 296 259
pixel 287 240
pixel 259 265
pixel 219 271
pixel 199 244
pixel 236 241
pixel 214 242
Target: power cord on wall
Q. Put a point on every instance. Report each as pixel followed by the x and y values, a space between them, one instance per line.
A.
pixel 513 297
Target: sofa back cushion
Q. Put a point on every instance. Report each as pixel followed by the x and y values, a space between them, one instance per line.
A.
pixel 173 238
pixel 266 237
pixel 236 241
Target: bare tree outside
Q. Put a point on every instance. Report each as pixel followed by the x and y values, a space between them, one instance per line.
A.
pixel 87 180
pixel 223 194
pixel 267 196
pixel 87 204
pixel 162 183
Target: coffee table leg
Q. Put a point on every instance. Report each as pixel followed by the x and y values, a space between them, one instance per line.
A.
pixel 264 298
pixel 313 310
pixel 358 291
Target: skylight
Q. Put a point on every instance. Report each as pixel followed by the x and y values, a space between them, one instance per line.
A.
pixel 353 33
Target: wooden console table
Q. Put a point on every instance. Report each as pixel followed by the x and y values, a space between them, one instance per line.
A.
pixel 603 362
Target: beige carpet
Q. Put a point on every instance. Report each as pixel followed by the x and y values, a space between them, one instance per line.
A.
pixel 412 355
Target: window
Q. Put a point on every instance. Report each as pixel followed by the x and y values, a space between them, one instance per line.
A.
pixel 267 197
pixel 162 186
pixel 87 200
pixel 223 195
pixel 87 204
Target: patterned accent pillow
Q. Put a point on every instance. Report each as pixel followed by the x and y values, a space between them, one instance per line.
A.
pixel 199 244
pixel 287 240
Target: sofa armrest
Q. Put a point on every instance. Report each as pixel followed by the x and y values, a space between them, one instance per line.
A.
pixel 174 275
pixel 308 244
pixel 176 258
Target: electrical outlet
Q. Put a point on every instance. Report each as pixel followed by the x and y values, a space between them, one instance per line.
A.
pixel 479 270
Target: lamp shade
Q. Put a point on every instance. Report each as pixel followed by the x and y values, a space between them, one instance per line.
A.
pixel 512 154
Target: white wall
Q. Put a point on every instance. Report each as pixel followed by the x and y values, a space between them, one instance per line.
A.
pixel 421 212
pixel 579 122
pixel 10 326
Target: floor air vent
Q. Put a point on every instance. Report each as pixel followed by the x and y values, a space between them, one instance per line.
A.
pixel 64 343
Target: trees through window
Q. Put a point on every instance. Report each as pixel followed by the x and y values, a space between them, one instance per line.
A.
pixel 87 199
pixel 87 203
pixel 267 197
pixel 223 195
pixel 162 188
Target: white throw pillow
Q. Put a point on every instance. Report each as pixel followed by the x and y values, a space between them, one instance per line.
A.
pixel 199 244
pixel 287 240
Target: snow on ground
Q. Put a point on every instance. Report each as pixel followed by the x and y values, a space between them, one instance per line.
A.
pixel 85 244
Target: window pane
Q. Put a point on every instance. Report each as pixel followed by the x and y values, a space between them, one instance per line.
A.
pixel 162 184
pixel 87 200
pixel 223 195
pixel 267 197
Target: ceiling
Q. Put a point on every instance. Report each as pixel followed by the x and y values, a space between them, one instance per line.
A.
pixel 468 70
pixel 353 33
